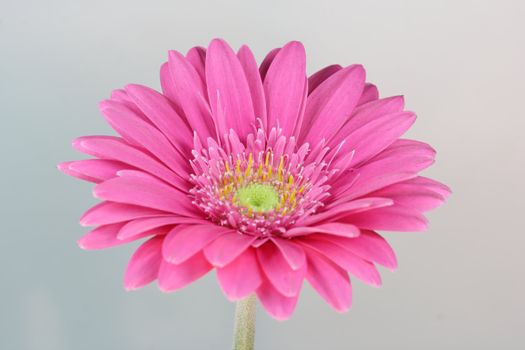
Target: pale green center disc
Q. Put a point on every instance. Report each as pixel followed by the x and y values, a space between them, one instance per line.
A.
pixel 258 197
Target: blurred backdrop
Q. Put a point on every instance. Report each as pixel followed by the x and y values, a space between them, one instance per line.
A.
pixel 460 65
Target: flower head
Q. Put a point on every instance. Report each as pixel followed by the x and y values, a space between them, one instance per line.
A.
pixel 258 172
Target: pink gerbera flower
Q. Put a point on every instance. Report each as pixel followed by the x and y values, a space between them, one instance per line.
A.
pixel 263 174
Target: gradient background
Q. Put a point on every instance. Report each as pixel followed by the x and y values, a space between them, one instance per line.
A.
pixel 460 65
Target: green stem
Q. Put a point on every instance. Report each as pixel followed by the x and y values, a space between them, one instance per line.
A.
pixel 244 326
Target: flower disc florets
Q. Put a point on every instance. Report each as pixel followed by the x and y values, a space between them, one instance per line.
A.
pixel 261 187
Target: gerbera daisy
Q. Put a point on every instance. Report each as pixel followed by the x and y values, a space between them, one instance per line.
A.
pixel 266 175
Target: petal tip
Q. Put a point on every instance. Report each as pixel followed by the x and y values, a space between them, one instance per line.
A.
pixel 77 143
pixel 295 44
pixel 219 43
pixel 341 309
pixel 164 289
pixel 130 287
pixel 174 55
pixel 82 244
pixel 63 167
pixel 97 193
pixel 281 318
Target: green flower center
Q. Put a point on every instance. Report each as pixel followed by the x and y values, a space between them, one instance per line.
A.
pixel 258 197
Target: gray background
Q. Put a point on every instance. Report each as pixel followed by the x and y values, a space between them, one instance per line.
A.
pixel 459 63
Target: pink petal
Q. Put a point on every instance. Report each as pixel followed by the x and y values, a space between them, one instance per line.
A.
pixel 121 96
pixel 142 134
pixel 227 83
pixel 330 281
pixel 96 169
pixel 292 252
pixel 184 241
pixel 114 148
pixel 369 245
pixel 276 304
pixel 109 213
pixel 169 90
pixel 403 147
pixel 355 206
pixel 330 228
pixel 399 162
pixel 101 237
pixel 299 123
pixel 147 192
pixel 137 226
pixel 65 168
pixel 412 194
pixel 366 113
pixel 173 277
pixel 286 281
pixel 375 136
pixel 106 237
pixel 431 185
pixel 372 247
pixel 267 61
pixel 227 247
pixel 393 218
pixel 346 175
pixel 190 94
pixel 241 277
pixel 330 105
pixel 284 86
pixel 144 265
pixel 318 77
pixel 162 114
pixel 350 262
pixel 197 57
pixel 253 77
pixel 376 108
pixel 370 93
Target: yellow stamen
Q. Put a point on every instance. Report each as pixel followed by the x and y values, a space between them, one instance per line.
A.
pixel 280 169
pixel 292 196
pixel 249 166
pixel 238 167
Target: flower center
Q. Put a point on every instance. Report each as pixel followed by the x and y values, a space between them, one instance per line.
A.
pixel 260 187
pixel 258 197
